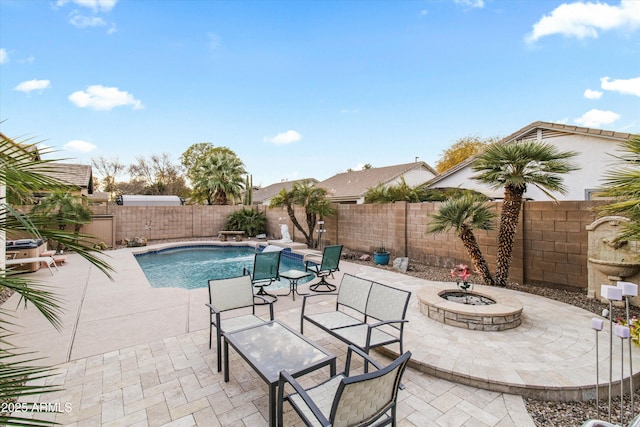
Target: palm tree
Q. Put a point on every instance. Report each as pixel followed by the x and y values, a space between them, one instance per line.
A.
pixel 464 214
pixel 22 172
pixel 514 166
pixel 312 198
pixel 65 208
pixel 219 179
pixel 622 184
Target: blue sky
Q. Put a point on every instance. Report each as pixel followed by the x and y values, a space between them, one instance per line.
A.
pixel 302 88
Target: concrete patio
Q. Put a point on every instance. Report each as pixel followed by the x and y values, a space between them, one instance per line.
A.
pixel 129 354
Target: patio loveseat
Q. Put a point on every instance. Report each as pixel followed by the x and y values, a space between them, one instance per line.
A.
pixel 367 314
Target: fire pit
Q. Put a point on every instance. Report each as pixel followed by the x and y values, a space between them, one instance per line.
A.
pixel 494 308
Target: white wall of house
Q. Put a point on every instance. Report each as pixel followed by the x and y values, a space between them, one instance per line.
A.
pixel 594 159
pixel 414 177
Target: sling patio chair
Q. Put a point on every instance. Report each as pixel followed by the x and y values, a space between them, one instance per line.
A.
pixel 328 265
pixel 231 294
pixel 266 265
pixel 343 400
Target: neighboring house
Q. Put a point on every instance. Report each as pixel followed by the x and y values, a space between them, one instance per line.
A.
pixel 263 196
pixel 595 148
pixel 79 177
pixel 350 187
pixel 98 198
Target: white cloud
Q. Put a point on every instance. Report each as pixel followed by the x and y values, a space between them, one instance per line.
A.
pixel 4 56
pixel 470 3
pixel 625 87
pixel 596 118
pixel 81 21
pixel 30 85
pixel 582 20
pixel 79 145
pixel 349 111
pixel 95 5
pixel 284 138
pixel 99 97
pixel 592 94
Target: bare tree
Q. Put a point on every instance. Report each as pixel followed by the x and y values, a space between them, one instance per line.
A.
pixel 108 170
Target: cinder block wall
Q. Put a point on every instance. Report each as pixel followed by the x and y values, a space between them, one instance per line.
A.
pixel 550 246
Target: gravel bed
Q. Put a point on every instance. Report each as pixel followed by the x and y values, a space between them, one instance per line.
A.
pixel 544 414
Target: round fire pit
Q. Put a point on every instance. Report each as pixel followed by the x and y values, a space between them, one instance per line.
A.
pixel 495 309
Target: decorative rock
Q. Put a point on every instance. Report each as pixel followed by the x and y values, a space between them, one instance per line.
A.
pixel 364 257
pixel 401 264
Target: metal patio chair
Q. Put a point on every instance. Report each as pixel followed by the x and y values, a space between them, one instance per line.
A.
pixel 344 400
pixel 265 270
pixel 328 265
pixel 231 294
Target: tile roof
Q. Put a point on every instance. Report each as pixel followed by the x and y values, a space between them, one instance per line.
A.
pixel 353 185
pixel 266 193
pixel 77 175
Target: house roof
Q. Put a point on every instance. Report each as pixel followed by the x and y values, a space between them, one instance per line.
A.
pixel 538 130
pixel 269 192
pixel 77 175
pixel 354 184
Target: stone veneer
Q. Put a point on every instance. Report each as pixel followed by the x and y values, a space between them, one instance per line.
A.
pixel 504 314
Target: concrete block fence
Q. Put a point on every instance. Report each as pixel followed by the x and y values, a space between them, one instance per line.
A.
pixel 550 247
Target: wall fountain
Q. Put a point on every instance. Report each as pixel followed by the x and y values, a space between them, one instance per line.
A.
pixel 610 260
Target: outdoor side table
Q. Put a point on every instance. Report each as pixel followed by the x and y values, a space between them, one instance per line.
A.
pixel 293 276
pixel 273 347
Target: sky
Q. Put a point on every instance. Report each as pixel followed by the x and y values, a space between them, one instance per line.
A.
pixel 308 89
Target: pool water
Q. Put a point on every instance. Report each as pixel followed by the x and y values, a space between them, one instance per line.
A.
pixel 191 267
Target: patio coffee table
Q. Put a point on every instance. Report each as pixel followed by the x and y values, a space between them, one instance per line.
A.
pixel 273 347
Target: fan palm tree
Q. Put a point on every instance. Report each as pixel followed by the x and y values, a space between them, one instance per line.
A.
pixel 22 173
pixel 66 208
pixel 219 179
pixel 622 184
pixel 464 214
pixel 515 166
pixel 312 198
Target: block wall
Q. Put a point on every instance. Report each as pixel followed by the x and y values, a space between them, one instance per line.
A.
pixel 550 247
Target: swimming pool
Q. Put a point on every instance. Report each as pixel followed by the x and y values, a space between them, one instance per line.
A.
pixel 191 266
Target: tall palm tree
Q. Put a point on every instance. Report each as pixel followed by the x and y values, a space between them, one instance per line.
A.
pixel 622 184
pixel 22 172
pixel 515 166
pixel 219 179
pixel 464 214
pixel 312 198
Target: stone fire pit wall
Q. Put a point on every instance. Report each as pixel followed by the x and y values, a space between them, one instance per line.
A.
pixel 504 314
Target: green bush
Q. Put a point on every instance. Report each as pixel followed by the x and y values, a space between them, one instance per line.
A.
pixel 252 222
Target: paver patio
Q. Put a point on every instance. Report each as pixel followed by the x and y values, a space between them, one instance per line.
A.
pixel 130 354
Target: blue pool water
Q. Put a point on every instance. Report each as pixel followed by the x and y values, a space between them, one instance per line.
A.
pixel 191 267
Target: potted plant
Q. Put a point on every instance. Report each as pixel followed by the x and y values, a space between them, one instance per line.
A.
pixel 381 255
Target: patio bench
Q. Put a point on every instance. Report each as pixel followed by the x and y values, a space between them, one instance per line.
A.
pixel 237 234
pixel 367 314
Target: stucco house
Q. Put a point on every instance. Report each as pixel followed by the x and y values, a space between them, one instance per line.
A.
pixel 595 148
pixel 263 196
pixel 350 187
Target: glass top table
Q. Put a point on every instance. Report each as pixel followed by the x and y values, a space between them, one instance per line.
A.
pixel 293 276
pixel 273 347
